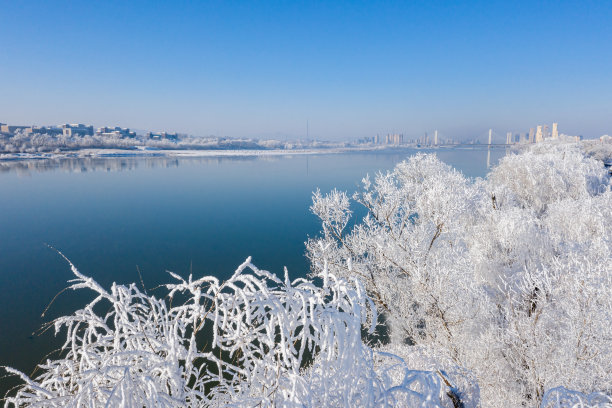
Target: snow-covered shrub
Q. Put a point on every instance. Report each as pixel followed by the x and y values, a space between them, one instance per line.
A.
pixel 253 340
pixel 508 277
pixel 545 174
pixel 598 149
pixel 551 279
pixel 561 397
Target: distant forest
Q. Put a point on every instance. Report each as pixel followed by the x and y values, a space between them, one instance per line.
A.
pixel 22 142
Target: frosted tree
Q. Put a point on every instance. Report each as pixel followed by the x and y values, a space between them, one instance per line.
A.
pixel 547 244
pixel 507 277
pixel 409 251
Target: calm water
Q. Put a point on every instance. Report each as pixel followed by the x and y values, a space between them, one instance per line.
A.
pixel 205 215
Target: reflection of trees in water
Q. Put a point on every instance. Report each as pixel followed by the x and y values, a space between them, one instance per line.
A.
pixel 85 164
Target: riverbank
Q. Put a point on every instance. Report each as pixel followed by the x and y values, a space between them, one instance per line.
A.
pixel 150 152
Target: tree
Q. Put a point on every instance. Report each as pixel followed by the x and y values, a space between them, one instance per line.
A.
pixel 508 277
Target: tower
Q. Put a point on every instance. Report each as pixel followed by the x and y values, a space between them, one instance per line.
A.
pixel 555 131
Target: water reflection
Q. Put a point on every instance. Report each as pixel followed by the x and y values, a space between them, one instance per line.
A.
pixel 113 164
pixel 467 159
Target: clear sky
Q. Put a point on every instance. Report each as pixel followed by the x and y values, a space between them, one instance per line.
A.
pixel 351 69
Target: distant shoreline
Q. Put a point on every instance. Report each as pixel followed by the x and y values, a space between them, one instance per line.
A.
pixel 186 153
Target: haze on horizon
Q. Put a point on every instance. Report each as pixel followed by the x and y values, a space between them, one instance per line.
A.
pixel 351 69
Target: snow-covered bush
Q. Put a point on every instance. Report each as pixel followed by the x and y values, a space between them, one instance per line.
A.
pixel 561 397
pixel 545 174
pixel 551 274
pixel 253 340
pixel 598 149
pixel 509 278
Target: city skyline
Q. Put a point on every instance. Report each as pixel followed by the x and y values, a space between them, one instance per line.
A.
pixel 345 70
pixel 534 135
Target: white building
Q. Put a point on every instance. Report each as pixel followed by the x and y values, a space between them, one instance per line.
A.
pixel 162 136
pixel 77 129
pixel 115 132
pixel 539 136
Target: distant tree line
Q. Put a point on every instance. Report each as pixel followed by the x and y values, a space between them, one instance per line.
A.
pixel 22 142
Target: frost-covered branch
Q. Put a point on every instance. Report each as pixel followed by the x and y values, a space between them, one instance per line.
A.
pixel 253 340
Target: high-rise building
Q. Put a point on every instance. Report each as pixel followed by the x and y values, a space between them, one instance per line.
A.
pixel 555 131
pixel 490 135
pixel 531 134
pixel 539 136
pixel 436 137
pixel 396 139
pixel 509 138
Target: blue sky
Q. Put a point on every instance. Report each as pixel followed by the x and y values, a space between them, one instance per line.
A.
pixel 351 69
